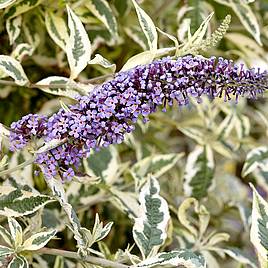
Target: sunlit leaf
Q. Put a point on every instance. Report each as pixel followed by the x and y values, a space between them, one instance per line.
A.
pixel 78 46
pixel 15 202
pixel 199 172
pixel 38 240
pixel 13 68
pixel 147 26
pixel 150 229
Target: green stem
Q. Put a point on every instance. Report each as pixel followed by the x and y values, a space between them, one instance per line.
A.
pixel 73 255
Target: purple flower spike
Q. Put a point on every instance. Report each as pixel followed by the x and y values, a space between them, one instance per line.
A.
pixel 103 117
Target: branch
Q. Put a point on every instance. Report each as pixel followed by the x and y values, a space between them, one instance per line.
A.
pixel 73 255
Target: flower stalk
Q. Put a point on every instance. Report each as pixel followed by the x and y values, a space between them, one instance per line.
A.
pixel 111 110
pixel 73 255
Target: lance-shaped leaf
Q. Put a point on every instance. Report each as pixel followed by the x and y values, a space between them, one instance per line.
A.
pixel 6 3
pixel 57 29
pixel 137 36
pixel 100 60
pixel 256 158
pixel 13 27
pixel 155 164
pixel 199 172
pixel 240 256
pixel 103 164
pixel 20 7
pixel 242 126
pixel 67 87
pixel 5 235
pixel 13 68
pixel 147 26
pixel 99 231
pixel 15 231
pixel 193 133
pixel 58 191
pixel 31 30
pixel 226 126
pixel 78 47
pixel 102 10
pixel 5 251
pixel 177 258
pixel 18 262
pixel 21 51
pixel 139 59
pixel 196 38
pixel 38 240
pixel 126 202
pixel 246 16
pixel 150 229
pixel 15 202
pixel 259 226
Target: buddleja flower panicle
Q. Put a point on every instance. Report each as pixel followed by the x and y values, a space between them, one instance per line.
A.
pixel 110 111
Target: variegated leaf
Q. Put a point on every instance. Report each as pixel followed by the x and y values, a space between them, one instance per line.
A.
pixel 105 231
pixel 6 3
pixel 247 18
pixel 21 51
pixel 58 190
pixel 30 29
pixel 103 164
pixel 16 232
pixel 15 202
pixel 18 262
pixel 217 238
pixel 38 240
pixel 13 68
pixel 5 235
pixel 5 251
pixel 226 126
pixel 199 172
pixel 100 60
pixel 123 7
pixel 137 36
pixel 193 133
pixel 20 7
pixel 259 229
pixel 101 231
pixel 102 10
pixel 256 158
pixel 172 38
pixel 50 145
pixel 85 15
pixel 98 233
pixel 78 46
pixel 139 59
pixel 155 164
pixel 59 262
pixel 57 29
pixel 13 27
pixel 127 202
pixel 150 229
pixel 177 258
pixel 183 215
pixel 196 38
pixel 240 256
pixel 242 126
pixel 67 87
pixel 147 26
